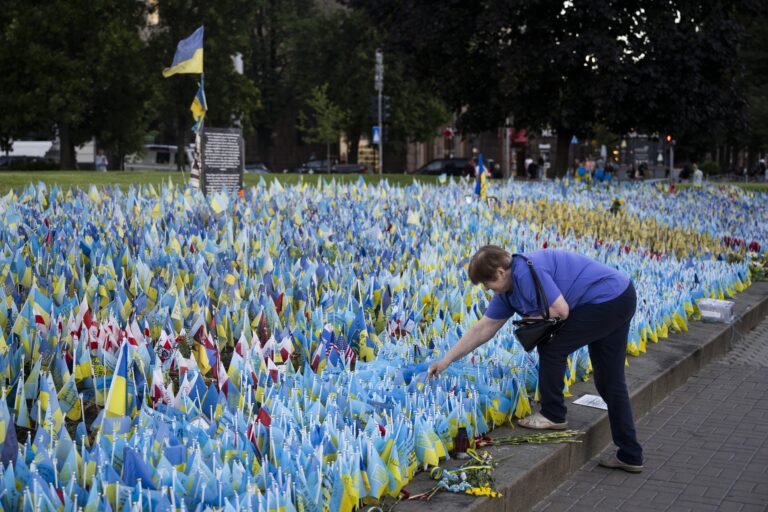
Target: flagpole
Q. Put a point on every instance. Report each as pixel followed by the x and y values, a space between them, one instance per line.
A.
pixel 199 134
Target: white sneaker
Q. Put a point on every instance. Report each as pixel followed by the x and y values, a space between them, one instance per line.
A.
pixel 614 462
pixel 537 421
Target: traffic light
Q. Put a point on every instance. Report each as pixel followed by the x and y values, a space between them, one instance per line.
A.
pixel 385 108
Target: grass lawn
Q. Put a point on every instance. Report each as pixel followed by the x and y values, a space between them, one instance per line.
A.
pixel 82 179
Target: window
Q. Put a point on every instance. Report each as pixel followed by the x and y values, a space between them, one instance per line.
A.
pixel 162 158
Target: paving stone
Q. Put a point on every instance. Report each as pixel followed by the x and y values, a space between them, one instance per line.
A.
pixel 706 444
pixel 731 506
pixel 751 507
pixel 683 504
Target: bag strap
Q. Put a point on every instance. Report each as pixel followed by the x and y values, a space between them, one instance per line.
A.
pixel 541 297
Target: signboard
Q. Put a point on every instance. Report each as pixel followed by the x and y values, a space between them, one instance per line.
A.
pixel 222 160
pixel 376 135
pixel 195 171
pixel 642 154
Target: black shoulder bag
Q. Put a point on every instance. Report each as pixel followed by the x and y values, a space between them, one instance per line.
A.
pixel 532 332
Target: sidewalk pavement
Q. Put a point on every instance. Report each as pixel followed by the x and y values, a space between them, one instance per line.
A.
pixel 706 445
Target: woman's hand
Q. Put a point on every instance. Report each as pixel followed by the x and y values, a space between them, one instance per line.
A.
pixel 480 332
pixel 438 367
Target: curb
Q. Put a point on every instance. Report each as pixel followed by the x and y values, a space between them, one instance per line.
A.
pixel 529 473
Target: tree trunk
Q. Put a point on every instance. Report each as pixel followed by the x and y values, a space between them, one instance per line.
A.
pixel 264 144
pixel 561 153
pixel 180 143
pixel 752 150
pixel 66 148
pixel 118 162
pixel 328 156
pixel 354 148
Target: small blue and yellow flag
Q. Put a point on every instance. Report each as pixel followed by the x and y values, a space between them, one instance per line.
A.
pixel 199 107
pixel 189 55
pixel 117 398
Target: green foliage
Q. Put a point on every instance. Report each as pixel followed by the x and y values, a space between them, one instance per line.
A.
pixel 268 65
pixel 338 48
pixel 85 68
pixel 709 167
pixel 327 118
pixel 624 64
pixel 753 82
pixel 121 95
pixel 417 114
pixel 46 54
pixel 335 49
pixel 74 68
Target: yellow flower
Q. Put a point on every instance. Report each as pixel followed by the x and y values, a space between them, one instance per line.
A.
pixel 483 491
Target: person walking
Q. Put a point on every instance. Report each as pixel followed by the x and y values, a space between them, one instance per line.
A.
pixel 101 161
pixel 595 302
pixel 698 175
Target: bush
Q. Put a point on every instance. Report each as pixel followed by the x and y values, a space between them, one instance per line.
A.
pixel 710 167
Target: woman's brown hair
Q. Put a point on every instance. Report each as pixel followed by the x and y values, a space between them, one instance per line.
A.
pixel 483 265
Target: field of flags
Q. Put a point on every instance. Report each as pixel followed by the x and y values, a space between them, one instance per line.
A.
pixel 162 350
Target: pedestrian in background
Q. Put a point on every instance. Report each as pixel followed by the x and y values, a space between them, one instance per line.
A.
pixel 101 161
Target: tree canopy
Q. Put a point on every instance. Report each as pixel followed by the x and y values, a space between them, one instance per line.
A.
pixel 653 65
pixel 91 69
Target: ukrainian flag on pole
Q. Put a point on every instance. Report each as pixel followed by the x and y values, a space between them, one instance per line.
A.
pixel 481 183
pixel 199 107
pixel 189 55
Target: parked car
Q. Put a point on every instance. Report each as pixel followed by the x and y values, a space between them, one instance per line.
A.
pixel 449 166
pixel 256 168
pixel 315 166
pixel 350 168
pixel 27 163
pixel 158 157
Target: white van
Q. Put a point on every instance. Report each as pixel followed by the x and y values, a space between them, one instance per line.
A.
pixel 157 157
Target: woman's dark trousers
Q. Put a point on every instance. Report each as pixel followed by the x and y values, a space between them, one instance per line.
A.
pixel 604 327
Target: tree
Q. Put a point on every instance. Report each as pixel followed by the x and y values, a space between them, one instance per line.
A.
pixel 684 72
pixel 753 83
pixel 559 63
pixel 122 92
pixel 46 56
pixel 416 113
pixel 651 64
pixel 327 120
pixel 275 22
pixel 338 48
pixel 232 98
pixel 75 69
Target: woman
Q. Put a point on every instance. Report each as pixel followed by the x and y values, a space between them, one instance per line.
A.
pixel 596 303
